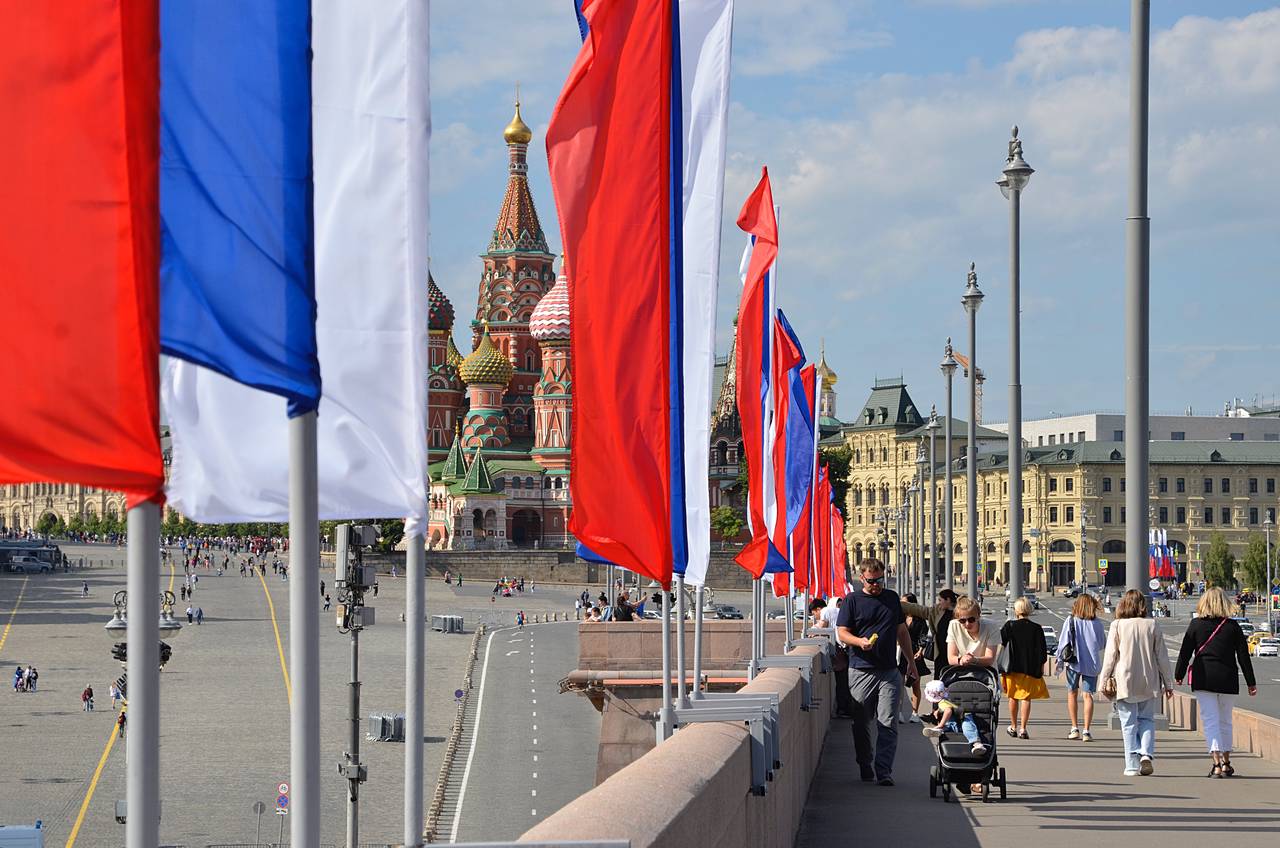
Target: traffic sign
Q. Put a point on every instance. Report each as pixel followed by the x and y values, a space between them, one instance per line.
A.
pixel 283 789
pixel 1154 584
pixel 1102 566
pixel 282 804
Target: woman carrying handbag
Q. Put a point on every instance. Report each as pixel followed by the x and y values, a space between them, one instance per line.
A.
pixel 1135 669
pixel 1214 652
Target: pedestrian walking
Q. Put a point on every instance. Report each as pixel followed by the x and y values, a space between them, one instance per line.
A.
pixel 33 676
pixel 1214 653
pixel 322 588
pixel 577 609
pixel 872 624
pixel 939 617
pixel 520 619
pixel 120 722
pixel 1135 670
pixel 199 615
pixel 970 639
pixel 86 699
pixel 1080 655
pixel 1023 679
pixel 326 603
pixel 84 589
pixel 115 697
pixel 190 614
pixel 918 630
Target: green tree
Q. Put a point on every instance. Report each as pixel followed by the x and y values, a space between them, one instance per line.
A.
pixel 76 524
pixel 46 524
pixel 838 460
pixel 391 534
pixel 1254 563
pixel 1220 564
pixel 726 522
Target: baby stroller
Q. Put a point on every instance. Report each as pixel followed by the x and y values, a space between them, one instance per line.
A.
pixel 976 691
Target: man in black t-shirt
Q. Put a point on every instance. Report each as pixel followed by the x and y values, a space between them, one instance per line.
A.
pixel 874 627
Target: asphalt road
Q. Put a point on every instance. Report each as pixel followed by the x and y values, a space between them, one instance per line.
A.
pixel 535 749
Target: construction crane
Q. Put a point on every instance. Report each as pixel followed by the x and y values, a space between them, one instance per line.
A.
pixel 982 378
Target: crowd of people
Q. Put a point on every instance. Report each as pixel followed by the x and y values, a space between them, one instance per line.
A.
pixel 887 644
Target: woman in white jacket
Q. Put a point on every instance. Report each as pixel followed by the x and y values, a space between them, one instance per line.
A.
pixel 1138 661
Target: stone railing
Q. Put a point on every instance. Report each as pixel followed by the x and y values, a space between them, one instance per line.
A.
pixel 1250 731
pixel 695 788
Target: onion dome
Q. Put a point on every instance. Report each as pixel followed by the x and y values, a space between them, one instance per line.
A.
pixel 452 355
pixel 440 310
pixel 486 364
pixel 550 318
pixel 829 377
pixel 517 132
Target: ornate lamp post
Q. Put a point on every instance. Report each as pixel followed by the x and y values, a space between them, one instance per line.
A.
pixel 949 366
pixel 1013 181
pixel 972 299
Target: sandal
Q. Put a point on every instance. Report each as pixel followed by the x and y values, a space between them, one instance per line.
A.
pixel 1227 770
pixel 1012 732
pixel 1216 771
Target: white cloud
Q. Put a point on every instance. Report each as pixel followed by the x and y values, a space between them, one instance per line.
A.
pixel 794 36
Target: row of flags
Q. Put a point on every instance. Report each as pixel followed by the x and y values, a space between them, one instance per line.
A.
pixel 241 186
pixel 1160 555
pixel 797 533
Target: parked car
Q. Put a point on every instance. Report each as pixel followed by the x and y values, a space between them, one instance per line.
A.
pixel 1248 628
pixel 1255 638
pixel 1035 601
pixel 1269 647
pixel 29 565
pixel 728 612
pixel 1074 591
pixel 1050 638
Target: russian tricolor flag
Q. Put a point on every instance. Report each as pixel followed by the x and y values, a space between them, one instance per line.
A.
pixel 635 149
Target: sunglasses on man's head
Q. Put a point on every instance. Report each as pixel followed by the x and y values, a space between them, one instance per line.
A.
pixel 967 619
pixel 874 581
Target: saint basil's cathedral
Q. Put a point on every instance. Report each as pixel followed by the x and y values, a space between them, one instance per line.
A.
pixel 499 418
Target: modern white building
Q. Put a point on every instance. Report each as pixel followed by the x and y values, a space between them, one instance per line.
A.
pixel 1109 427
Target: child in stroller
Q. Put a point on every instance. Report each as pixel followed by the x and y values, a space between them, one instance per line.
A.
pixel 949 717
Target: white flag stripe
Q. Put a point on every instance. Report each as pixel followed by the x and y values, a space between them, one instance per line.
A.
pixel 371 117
pixel 706 36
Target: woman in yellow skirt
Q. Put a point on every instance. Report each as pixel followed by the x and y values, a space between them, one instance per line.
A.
pixel 1024 643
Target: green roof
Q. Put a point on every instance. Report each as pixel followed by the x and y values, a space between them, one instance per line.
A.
pixel 455 465
pixel 888 405
pixel 959 430
pixel 478 479
pixel 1158 453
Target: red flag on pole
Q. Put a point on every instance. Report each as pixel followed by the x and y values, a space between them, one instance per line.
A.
pixel 79 234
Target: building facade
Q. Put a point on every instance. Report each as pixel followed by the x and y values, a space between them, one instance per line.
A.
pixel 1109 427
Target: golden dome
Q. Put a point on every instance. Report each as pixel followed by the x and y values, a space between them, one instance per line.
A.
pixel 829 377
pixel 517 132
pixel 452 355
pixel 486 364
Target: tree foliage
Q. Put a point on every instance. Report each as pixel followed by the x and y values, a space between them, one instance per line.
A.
pixel 838 460
pixel 727 522
pixel 1254 563
pixel 1220 563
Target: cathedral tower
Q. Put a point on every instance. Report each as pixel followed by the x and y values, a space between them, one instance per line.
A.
pixel 552 396
pixel 486 372
pixel 444 387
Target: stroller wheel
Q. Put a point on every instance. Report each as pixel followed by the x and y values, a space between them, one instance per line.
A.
pixel 1004 786
pixel 946 792
pixel 933 782
pixel 986 792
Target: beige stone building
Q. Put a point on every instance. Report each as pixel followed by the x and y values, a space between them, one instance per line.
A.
pixel 1073 496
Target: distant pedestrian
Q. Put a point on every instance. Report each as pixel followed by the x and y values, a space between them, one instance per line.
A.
pixel 84 589
pixel 199 615
pixel 520 619
pixel 322 588
pixel 116 696
pixel 1080 655
pixel 326 603
pixel 1135 670
pixel 1214 653
pixel 120 722
pixel 32 677
pixel 86 699
pixel 190 614
pixel 577 609
pixel 1024 641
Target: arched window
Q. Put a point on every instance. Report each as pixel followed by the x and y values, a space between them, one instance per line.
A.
pixel 857 496
pixel 528 361
pixel 515 482
pixel 528 482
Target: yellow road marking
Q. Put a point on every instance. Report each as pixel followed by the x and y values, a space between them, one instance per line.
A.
pixel 93 785
pixel 14 612
pixel 284 669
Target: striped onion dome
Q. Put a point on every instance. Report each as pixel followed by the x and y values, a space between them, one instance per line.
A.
pixel 486 364
pixel 452 355
pixel 440 310
pixel 550 319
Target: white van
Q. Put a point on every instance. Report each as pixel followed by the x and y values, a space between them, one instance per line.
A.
pixel 22 836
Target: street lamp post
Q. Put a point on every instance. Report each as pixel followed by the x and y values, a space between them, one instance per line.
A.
pixel 1013 181
pixel 949 366
pixel 933 501
pixel 1266 596
pixel 972 299
pixel 922 525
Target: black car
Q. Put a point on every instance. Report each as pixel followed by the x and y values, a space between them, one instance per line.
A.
pixel 728 612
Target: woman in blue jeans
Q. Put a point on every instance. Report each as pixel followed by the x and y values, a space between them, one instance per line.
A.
pixel 1082 637
pixel 1137 659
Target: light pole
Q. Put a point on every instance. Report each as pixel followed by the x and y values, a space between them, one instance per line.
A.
pixel 1266 596
pixel 949 366
pixel 1137 301
pixel 933 501
pixel 972 299
pixel 1013 181
pixel 922 524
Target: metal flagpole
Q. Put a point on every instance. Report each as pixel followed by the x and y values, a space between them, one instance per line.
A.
pixel 1137 302
pixel 949 365
pixel 415 646
pixel 697 643
pixel 972 299
pixel 304 632
pixel 665 714
pixel 142 740
pixel 682 692
pixel 755 643
pixel 933 509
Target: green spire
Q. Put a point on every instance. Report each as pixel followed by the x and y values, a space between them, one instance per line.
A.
pixel 455 466
pixel 478 480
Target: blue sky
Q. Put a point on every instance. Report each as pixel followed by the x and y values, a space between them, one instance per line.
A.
pixel 884 126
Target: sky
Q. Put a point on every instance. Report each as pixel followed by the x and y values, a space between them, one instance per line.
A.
pixel 884 124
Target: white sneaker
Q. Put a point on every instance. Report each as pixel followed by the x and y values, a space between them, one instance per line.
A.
pixel 931 731
pixel 1146 767
pixel 1086 736
pixel 1074 734
pixel 915 719
pixel 979 748
pixel 1130 772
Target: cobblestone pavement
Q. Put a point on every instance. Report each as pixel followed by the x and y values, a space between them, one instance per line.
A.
pixel 224 716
